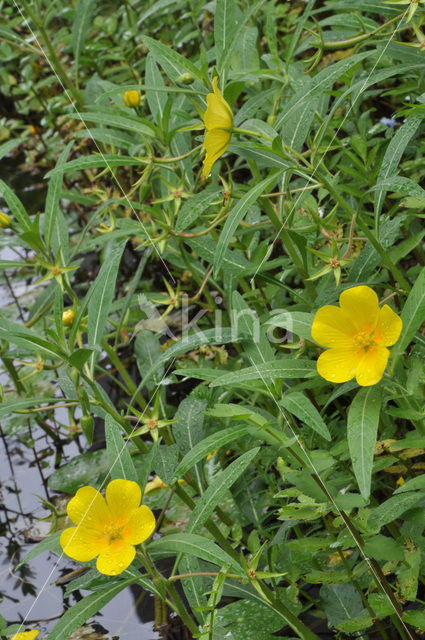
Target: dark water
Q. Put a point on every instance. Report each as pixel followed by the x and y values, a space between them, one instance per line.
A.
pixel 27 459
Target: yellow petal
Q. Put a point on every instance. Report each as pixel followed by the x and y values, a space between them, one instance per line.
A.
pixel 338 365
pixel 332 327
pixel 88 506
pixel 140 526
pixel 389 327
pixel 372 366
pixel 82 543
pixel 218 113
pixel 156 483
pixel 122 497
pixel 215 143
pixel 25 635
pixel 362 305
pixel 116 558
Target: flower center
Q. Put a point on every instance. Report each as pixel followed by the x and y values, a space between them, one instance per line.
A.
pixel 113 532
pixel 364 340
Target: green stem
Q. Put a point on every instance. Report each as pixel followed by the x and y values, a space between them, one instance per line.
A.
pixel 247 132
pixel 350 42
pixel 131 386
pixel 54 60
pixel 374 242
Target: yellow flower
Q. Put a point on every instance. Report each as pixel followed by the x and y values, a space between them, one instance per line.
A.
pixel 68 317
pixel 218 120
pixel 357 334
pixel 156 483
pixel 131 98
pixel 107 528
pixel 4 220
pixel 25 635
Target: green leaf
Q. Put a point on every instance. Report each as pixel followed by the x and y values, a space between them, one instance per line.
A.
pixel 237 33
pixel 398 184
pixel 89 468
pixel 51 543
pixel 80 357
pixel 172 62
pixel 7 147
pixel 409 573
pixel 16 207
pixel 190 342
pixel 120 462
pixel 234 262
pixel 74 617
pixel 322 82
pixel 103 290
pixel 245 320
pixel 411 485
pixel 188 428
pixel 194 545
pixel 413 315
pixel 24 337
pixel 96 161
pixel 296 322
pixel 165 462
pixel 300 406
pixel 148 349
pixel 269 371
pixel 156 99
pixel 54 193
pixel 393 155
pixel 416 618
pixel 80 28
pixel 10 406
pixel 246 619
pixel 196 205
pixel 207 445
pixel 362 428
pixel 218 489
pixel 383 547
pixel 263 155
pixel 236 215
pixel 147 465
pixel 128 123
pixel 224 28
pixel 392 509
pixel 341 602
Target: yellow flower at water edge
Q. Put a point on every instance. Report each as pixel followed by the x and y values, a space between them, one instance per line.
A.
pixel 25 635
pixel 218 120
pixel 107 527
pixel 356 335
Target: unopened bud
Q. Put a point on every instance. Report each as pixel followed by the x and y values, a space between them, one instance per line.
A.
pixel 131 98
pixel 186 78
pixel 87 424
pixel 4 220
pixel 68 317
pixel 271 119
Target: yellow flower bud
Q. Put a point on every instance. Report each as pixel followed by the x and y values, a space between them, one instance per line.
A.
pixel 68 317
pixel 4 220
pixel 131 98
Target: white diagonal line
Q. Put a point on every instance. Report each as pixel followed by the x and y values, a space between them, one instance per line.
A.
pixel 311 463
pixel 126 198
pixel 310 178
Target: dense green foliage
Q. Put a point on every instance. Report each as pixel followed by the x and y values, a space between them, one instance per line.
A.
pixel 299 501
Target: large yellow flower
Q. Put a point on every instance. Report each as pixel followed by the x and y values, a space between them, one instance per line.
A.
pixel 107 528
pixel 218 120
pixel 25 635
pixel 357 334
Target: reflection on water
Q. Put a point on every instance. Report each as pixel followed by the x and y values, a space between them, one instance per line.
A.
pixel 30 593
